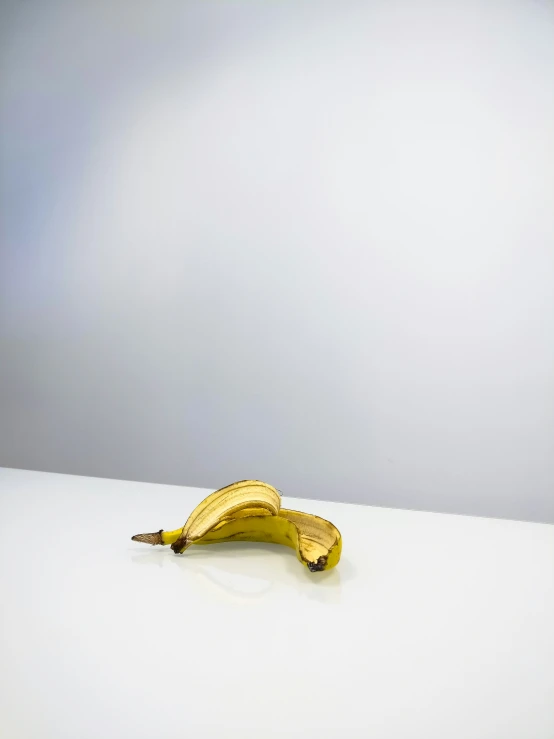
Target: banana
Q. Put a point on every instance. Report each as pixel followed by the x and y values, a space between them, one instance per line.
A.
pixel 244 498
pixel 250 511
pixel 317 542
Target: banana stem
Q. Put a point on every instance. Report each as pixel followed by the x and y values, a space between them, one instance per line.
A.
pixel 155 538
pixel 159 537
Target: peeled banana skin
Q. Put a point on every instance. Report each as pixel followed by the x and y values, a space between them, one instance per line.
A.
pixel 317 542
pixel 234 501
pixel 249 511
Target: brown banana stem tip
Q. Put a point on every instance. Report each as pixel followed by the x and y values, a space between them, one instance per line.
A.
pixel 155 538
pixel 318 565
pixel 180 545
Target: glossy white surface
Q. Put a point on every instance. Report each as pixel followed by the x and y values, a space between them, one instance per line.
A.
pixel 432 626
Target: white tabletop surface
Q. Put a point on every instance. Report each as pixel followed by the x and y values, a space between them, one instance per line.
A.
pixel 432 626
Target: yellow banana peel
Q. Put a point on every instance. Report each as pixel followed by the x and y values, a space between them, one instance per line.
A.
pixel 250 510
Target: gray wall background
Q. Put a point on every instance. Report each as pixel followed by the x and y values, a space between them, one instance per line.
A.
pixel 306 242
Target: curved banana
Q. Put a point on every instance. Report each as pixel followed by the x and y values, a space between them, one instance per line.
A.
pixel 317 542
pixel 244 498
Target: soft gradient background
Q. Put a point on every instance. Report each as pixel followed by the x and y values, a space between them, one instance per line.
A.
pixel 309 242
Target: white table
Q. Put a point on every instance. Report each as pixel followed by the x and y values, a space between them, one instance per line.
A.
pixel 432 626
